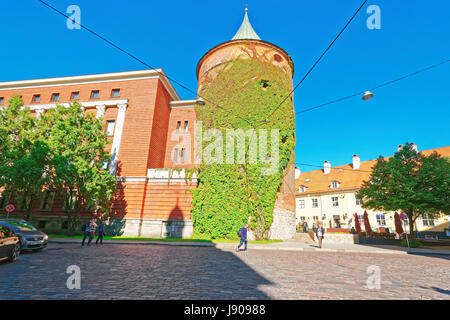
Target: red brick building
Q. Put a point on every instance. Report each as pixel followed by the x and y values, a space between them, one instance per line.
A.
pixel 141 111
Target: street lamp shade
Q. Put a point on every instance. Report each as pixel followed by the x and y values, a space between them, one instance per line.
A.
pixel 367 95
pixel 200 101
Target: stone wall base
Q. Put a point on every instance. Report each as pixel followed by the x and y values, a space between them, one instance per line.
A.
pixel 340 238
pixel 283 225
pixel 129 227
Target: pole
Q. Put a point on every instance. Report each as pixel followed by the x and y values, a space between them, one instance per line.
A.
pixel 407 241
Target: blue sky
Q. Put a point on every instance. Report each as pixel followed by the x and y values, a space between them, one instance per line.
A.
pixel 174 35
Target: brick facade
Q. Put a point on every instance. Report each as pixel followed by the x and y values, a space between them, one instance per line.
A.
pixel 145 143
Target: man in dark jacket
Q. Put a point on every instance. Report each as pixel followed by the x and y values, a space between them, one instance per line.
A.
pixel 243 236
pixel 100 232
pixel 87 233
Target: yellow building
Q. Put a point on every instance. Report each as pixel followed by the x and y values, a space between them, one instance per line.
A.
pixel 328 195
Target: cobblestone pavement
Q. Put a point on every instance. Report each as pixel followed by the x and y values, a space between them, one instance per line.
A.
pixel 161 272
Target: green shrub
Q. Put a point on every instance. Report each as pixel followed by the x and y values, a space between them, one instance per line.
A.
pixel 412 243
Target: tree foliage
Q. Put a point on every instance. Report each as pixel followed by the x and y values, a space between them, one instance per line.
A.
pixel 411 182
pixel 63 149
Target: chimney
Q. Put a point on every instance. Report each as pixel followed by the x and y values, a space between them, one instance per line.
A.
pixel 356 162
pixel 326 167
pixel 297 173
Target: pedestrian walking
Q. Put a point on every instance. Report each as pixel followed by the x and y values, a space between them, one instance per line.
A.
pixel 305 227
pixel 93 226
pixel 314 227
pixel 100 232
pixel 319 233
pixel 242 233
pixel 86 228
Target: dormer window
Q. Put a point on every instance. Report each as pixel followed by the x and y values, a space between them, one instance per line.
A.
pixel 334 185
pixel 301 189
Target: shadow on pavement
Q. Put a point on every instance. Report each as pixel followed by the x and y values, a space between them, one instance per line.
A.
pixel 443 291
pixel 133 272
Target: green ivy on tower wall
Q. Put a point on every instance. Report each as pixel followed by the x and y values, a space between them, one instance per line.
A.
pixel 248 91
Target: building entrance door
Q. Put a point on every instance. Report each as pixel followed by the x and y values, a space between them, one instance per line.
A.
pixel 337 221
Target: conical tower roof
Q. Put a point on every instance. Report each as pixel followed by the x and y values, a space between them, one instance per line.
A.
pixel 246 31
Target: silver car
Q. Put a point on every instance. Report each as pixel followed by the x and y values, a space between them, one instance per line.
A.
pixel 30 237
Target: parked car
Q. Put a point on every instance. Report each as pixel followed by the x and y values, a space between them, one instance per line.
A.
pixel 9 244
pixel 30 237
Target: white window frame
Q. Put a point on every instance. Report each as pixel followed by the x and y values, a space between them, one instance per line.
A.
pixel 361 219
pixel 428 220
pixel 381 220
pixel 48 199
pixel 335 201
pixel 108 132
pixel 314 203
pixel 301 204
pixel 73 194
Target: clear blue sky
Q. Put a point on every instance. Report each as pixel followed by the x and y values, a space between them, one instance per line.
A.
pixel 174 35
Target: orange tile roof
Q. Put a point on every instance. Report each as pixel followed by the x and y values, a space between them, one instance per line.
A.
pixel 318 182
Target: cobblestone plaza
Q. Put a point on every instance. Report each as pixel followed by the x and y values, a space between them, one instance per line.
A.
pixel 117 271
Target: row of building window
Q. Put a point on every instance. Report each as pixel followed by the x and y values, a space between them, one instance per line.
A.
pixel 95 94
pixel 333 185
pixel 427 220
pixel 334 202
pixel 47 200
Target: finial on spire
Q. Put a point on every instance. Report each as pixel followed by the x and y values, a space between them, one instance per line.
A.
pixel 246 31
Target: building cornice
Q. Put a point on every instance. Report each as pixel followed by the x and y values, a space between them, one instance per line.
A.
pixel 94 78
pixel 325 192
pixel 183 104
pixel 86 104
pixel 244 42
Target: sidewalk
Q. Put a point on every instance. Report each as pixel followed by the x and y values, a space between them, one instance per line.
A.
pixel 286 246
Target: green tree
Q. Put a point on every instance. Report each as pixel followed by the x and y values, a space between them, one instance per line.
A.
pixel 77 143
pixel 24 157
pixel 410 182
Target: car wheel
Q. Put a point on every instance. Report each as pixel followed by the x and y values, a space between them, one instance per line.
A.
pixel 15 253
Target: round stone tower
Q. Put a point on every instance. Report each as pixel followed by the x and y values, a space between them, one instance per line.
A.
pixel 256 76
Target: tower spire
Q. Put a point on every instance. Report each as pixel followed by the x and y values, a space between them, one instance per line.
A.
pixel 246 31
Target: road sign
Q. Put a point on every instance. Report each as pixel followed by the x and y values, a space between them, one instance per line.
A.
pixel 9 208
pixel 403 216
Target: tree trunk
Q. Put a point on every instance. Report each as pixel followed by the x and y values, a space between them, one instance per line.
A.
pixel 28 208
pixel 411 224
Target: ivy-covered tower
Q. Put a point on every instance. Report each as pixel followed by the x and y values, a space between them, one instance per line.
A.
pixel 244 82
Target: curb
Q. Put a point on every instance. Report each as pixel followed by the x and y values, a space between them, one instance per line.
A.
pixel 250 246
pixel 148 243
